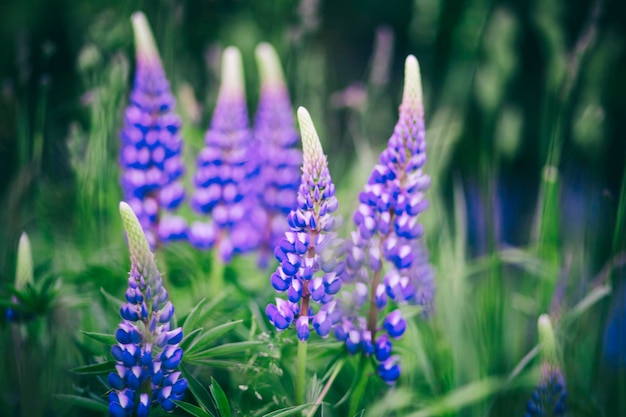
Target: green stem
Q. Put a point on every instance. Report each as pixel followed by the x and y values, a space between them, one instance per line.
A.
pixel 359 388
pixel 301 372
pixel 217 274
pixel 320 399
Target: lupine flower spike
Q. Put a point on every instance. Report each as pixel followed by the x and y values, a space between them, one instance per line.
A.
pixel 275 136
pixel 548 399
pixel 226 172
pixel 23 276
pixel 147 354
pixel 310 269
pixel 151 145
pixel 388 232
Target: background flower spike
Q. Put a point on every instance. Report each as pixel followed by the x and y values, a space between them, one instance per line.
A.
pixel 547 340
pixel 275 137
pixel 227 172
pixel 24 272
pixel 232 83
pixel 270 70
pixel 151 145
pixel 145 45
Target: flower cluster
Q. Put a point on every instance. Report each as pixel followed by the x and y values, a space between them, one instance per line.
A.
pixel 310 269
pixel 548 399
pixel 387 230
pixel 151 145
pixel 227 171
pixel 147 352
pixel 275 136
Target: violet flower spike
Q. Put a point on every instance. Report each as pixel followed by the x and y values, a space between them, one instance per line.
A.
pixel 147 354
pixel 150 154
pixel 275 137
pixel 226 172
pixel 310 269
pixel 388 231
pixel 548 399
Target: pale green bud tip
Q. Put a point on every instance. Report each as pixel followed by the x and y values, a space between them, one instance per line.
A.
pixel 313 154
pixel 144 41
pixel 412 96
pixel 24 273
pixel 137 243
pixel 547 340
pixel 270 69
pixel 232 73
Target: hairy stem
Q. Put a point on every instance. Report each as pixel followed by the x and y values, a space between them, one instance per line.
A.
pixel 301 372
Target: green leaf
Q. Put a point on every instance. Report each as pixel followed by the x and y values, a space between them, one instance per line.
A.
pixel 586 303
pixel 225 349
pixel 192 318
pixel 288 411
pixel 95 368
pixel 221 400
pixel 194 410
pixel 112 299
pixel 216 363
pixel 89 403
pixel 197 389
pixel 107 339
pixel 465 396
pixel 189 338
pixel 211 335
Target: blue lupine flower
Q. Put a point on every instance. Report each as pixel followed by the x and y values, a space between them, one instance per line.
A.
pixel 227 171
pixel 150 154
pixel 548 399
pixel 388 230
pixel 309 269
pixel 147 352
pixel 275 136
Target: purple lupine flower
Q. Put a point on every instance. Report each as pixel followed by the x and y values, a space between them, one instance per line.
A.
pixel 150 154
pixel 275 136
pixel 147 352
pixel 388 230
pixel 548 399
pixel 227 171
pixel 310 270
